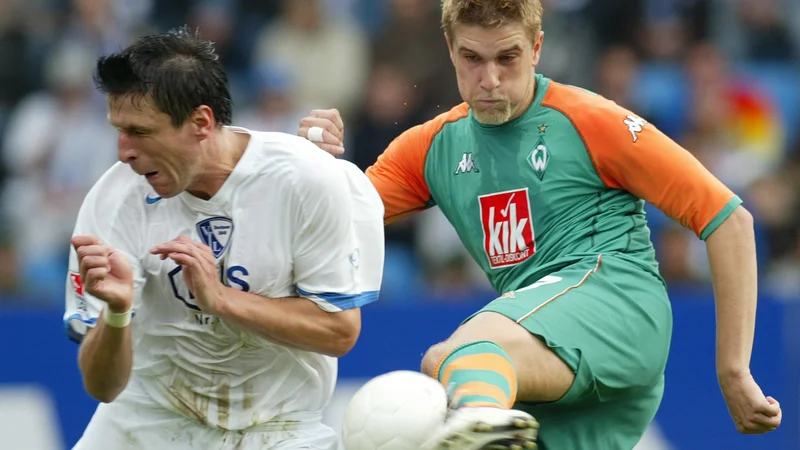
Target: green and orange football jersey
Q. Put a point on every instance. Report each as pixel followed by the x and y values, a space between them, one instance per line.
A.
pixel 565 180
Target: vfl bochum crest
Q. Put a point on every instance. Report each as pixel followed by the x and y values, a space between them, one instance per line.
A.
pixel 216 233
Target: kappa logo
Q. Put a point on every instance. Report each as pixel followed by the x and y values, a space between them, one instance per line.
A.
pixel 508 237
pixel 466 164
pixel 635 125
pixel 216 233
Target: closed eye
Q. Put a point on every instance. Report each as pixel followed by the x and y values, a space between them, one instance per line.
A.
pixel 134 131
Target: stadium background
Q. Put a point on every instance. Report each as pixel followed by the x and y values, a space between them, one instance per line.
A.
pixel 719 76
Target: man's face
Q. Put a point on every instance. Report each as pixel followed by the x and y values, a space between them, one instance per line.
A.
pixel 168 157
pixel 494 67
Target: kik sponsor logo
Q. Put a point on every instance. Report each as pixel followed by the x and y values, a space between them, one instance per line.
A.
pixel 508 237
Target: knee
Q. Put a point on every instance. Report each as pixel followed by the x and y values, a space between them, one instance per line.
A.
pixel 491 327
pixel 433 356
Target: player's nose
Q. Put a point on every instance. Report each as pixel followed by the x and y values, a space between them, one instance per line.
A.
pixel 490 78
pixel 125 151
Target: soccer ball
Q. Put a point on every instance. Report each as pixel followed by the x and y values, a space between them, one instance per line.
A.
pixel 395 411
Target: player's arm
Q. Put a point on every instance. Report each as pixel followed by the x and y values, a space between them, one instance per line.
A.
pixel 101 277
pixel 399 173
pixel 293 322
pixel 105 360
pixel 637 157
pixel 732 257
pixel 105 357
pixel 325 317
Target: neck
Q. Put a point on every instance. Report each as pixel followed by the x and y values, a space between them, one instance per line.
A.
pixel 223 151
pixel 530 93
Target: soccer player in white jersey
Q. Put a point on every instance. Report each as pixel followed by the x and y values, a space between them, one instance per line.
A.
pixel 216 273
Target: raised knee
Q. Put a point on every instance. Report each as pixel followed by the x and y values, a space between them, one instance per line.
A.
pixel 433 356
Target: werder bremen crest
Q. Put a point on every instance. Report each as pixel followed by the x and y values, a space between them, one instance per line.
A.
pixel 538 158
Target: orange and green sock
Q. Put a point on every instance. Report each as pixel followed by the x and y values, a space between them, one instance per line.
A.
pixel 478 374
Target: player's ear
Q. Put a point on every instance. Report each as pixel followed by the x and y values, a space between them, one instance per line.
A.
pixel 203 120
pixel 449 48
pixel 537 48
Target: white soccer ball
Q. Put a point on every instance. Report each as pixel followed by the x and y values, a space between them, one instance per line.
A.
pixel 396 411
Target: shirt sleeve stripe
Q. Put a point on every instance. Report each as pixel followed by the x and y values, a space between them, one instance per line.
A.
pixel 341 301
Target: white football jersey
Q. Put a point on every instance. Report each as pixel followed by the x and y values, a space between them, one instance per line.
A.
pixel 290 220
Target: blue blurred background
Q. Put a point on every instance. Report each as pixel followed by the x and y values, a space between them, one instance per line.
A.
pixel 720 77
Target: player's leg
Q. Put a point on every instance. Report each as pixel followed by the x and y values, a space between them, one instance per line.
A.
pixel 617 340
pixel 599 323
pixel 538 371
pixel 493 361
pixel 479 365
pixel 490 363
pixel 617 423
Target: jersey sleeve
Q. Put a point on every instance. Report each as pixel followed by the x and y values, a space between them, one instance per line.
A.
pixel 99 216
pixel 631 154
pixel 399 173
pixel 335 236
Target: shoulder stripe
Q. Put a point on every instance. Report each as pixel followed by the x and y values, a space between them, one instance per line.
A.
pixel 631 154
pixel 399 173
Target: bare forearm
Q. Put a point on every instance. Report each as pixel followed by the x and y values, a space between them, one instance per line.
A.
pixel 293 321
pixel 732 256
pixel 105 360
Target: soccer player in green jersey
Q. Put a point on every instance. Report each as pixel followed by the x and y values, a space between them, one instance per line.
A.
pixel 545 185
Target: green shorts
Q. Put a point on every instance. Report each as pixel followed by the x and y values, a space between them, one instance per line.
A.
pixel 610 320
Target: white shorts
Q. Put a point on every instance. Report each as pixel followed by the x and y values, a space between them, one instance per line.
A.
pixel 128 424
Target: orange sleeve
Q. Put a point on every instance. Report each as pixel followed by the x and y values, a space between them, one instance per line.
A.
pixel 399 173
pixel 629 153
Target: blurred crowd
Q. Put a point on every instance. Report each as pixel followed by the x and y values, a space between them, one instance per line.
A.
pixel 718 76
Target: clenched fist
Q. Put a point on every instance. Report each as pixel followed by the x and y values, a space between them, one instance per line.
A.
pixel 752 412
pixel 105 272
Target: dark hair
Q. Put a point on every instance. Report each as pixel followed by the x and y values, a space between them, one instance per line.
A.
pixel 178 69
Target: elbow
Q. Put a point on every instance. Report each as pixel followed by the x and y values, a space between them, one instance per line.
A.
pixel 103 387
pixel 107 398
pixel 339 349
pixel 345 339
pixel 102 394
pixel 740 220
pixel 739 223
pixel 744 217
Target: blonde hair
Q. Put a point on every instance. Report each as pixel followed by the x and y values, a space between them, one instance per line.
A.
pixel 492 14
